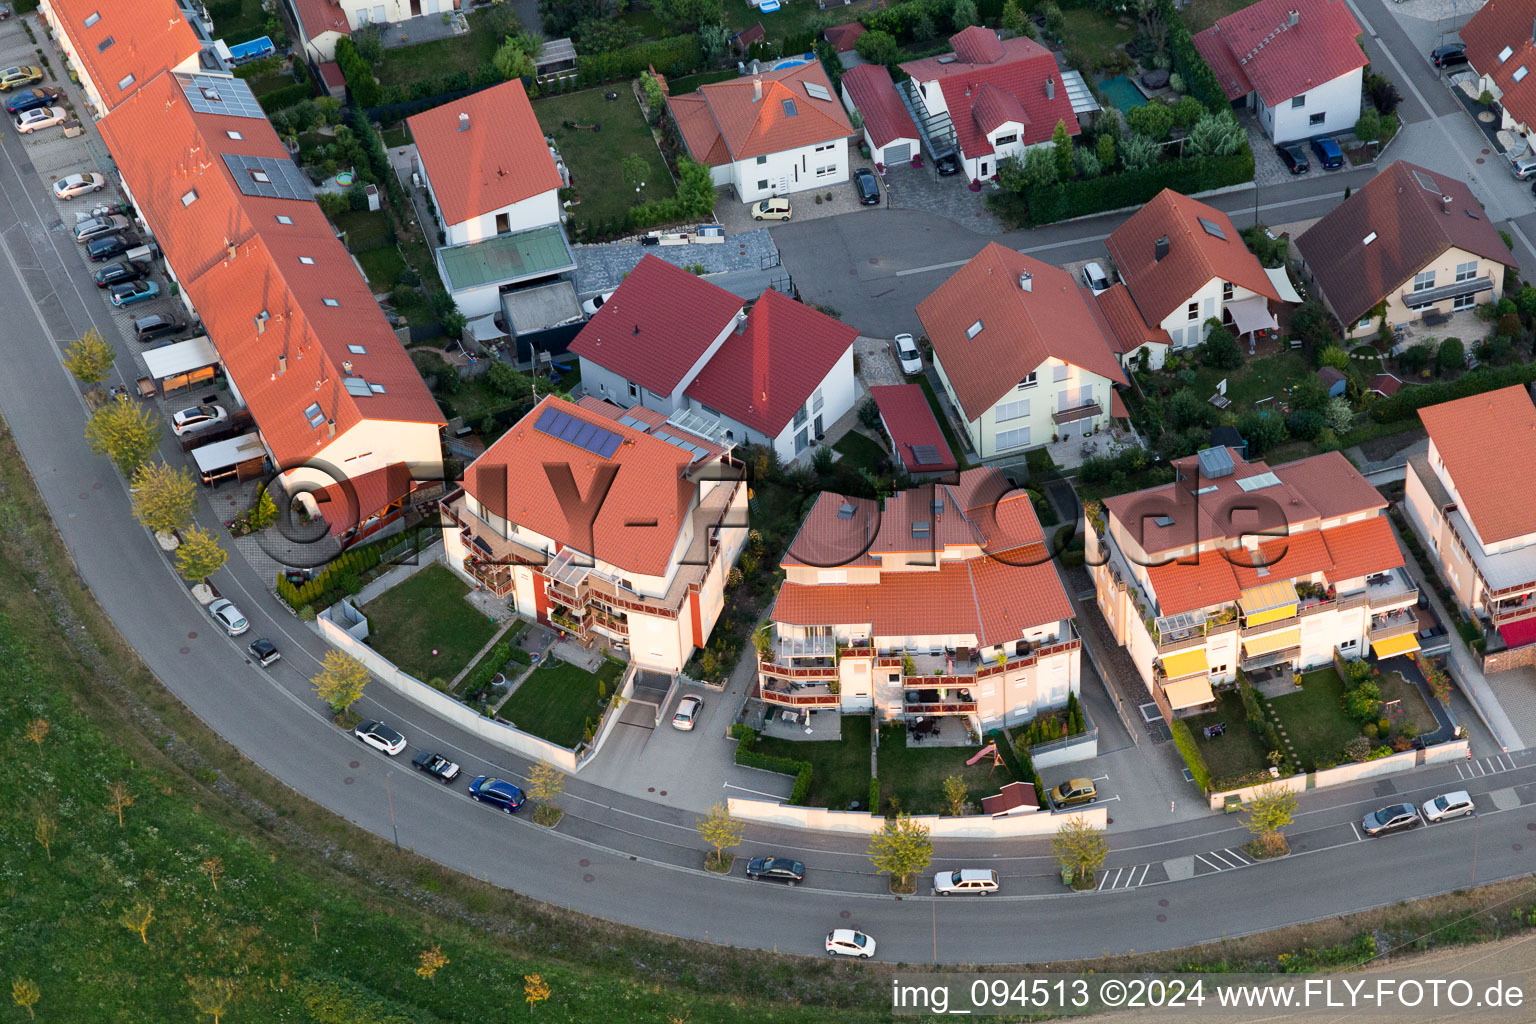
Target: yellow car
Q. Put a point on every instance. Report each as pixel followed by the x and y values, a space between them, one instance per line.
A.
pixel 15 78
pixel 771 209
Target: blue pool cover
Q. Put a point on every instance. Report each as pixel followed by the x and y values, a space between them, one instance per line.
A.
pixel 252 50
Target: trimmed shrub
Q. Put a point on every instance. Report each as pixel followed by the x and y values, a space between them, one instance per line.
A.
pixel 360 81
pixel 1080 197
pixel 287 96
pixel 747 757
pixel 1193 759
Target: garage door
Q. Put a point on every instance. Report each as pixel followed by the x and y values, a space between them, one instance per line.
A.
pixel 898 154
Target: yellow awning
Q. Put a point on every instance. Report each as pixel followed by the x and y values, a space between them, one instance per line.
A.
pixel 1397 645
pixel 1185 663
pixel 1268 602
pixel 1271 642
pixel 1188 693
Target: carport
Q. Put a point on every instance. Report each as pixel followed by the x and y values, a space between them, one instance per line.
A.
pixel 186 364
pixel 243 457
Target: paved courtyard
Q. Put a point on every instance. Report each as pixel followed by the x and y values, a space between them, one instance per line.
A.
pixel 601 268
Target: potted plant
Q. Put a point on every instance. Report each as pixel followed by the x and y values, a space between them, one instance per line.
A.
pixel 975 184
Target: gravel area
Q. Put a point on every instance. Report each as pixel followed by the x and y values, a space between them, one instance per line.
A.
pixel 877 362
pixel 600 268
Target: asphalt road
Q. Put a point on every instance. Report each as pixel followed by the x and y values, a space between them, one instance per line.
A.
pixel 639 862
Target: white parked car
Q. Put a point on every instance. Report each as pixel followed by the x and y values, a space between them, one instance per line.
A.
pixel 227 615
pixel 78 185
pixel 850 942
pixel 906 353
pixel 965 882
pixel 29 121
pixel 1095 278
pixel 380 737
pixel 197 418
pixel 1447 806
pixel 687 713
pixel 595 303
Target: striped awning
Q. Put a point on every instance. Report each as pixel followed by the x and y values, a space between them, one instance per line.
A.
pixel 1185 663
pixel 1268 602
pixel 1271 642
pixel 1189 693
pixel 1396 645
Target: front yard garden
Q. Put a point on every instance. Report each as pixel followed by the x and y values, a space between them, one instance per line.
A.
pixel 561 702
pixel 912 777
pixel 1236 752
pixel 404 65
pixel 425 626
pixel 839 768
pixel 1314 719
pixel 606 166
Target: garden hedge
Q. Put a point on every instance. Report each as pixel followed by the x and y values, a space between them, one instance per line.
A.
pixel 1485 378
pixel 673 56
pixel 360 81
pixel 747 757
pixel 1083 196
pixel 1199 80
pixel 1185 741
pixel 287 96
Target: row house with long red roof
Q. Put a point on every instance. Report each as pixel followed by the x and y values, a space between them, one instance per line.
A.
pixel 117 49
pixel 941 600
pixel 618 526
pixel 1238 565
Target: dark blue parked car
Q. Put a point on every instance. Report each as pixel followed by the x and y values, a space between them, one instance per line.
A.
pixel 1328 152
pixel 32 98
pixel 497 793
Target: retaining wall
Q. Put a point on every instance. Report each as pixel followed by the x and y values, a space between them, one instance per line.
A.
pixel 863 823
pixel 1440 753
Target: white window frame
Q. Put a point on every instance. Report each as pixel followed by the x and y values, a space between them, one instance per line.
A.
pixel 1466 271
pixel 1014 410
pixel 1297 102
pixel 1018 437
pixel 1028 382
pixel 1463 302
pixel 1193 309
pixel 1424 280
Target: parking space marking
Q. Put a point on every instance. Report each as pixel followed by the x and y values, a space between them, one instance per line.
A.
pixel 1358 837
pixel 1124 878
pixel 1224 860
pixel 1486 766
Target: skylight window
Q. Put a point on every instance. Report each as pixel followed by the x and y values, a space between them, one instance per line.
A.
pixel 1213 229
pixel 234 135
pixel 308 261
pixel 1506 53
pixel 314 415
pixel 210 94
pixel 260 176
pixel 816 91
pixel 789 109
pixel 1521 72
pixel 281 219
pixel 919 529
pixel 1368 239
pixel 330 302
pixel 357 350
pixel 973 330
pixel 125 82
pixel 189 197
pixel 105 45
pixel 377 389
pixel 92 18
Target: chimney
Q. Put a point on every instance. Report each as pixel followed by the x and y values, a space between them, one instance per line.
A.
pixel 282 363
pixel 1160 249
pixel 1050 87
pixel 757 90
pixel 463 122
pixel 1445 204
pixel 1295 16
pixel 346 366
pixel 331 426
pixel 1026 281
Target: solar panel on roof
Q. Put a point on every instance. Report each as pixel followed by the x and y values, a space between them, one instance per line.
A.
pixel 607 446
pixel 1258 482
pixel 584 434
pixel 1426 182
pixel 231 97
pixel 545 419
pixel 1212 228
pixel 816 91
pixel 356 386
pixel 570 428
pixel 926 454
pixel 267 177
pixel 638 424
pixel 588 436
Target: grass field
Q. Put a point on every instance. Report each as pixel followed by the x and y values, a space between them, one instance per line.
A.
pixel 1236 751
pixel 1256 379
pixel 841 772
pixel 691 83
pixel 406 64
pixel 238 21
pixel 428 613
pixel 559 700
pixel 1095 35
pixel 1202 14
pixel 1395 687
pixel 1314 718
pixel 860 450
pixel 596 158
pixel 914 775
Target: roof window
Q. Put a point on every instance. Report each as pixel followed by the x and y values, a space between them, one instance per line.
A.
pixel 330 302
pixel 125 82
pixel 210 94
pixel 189 197
pixel 357 350
pixel 973 330
pixel 260 176
pixel 377 389
pixel 920 529
pixel 1368 239
pixel 105 45
pixel 281 219
pixel 1506 53
pixel 789 109
pixel 314 415
pixel 308 261
pixel 234 135
pixel 1213 229
pixel 92 18
pixel 1521 72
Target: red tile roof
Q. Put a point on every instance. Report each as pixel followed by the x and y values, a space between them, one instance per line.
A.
pixel 1486 443
pixel 235 260
pixel 767 371
pixel 335 81
pixel 1258 49
pixel 1018 68
pixel 1202 583
pixel 345 504
pixel 320 17
pixel 1011 796
pixel 1385 384
pixel 142 39
pixel 1285 558
pixel 1020 329
pixel 1195 256
pixel 1501 24
pixel 1408 225
pixel 500 159
pixel 844 37
pixel 1361 548
pixel 752 115
pixel 698 128
pixel 639 334
pixel 1128 330
pixel 909 420
pixel 886 118
pixel 1331 485
pixel 651 420
pixel 645 506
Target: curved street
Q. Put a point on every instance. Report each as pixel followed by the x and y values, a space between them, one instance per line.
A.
pixel 640 862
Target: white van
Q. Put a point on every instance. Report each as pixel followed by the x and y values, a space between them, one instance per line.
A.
pixel 965 882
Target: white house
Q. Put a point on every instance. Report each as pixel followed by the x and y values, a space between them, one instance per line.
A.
pixel 1022 352
pixel 1184 264
pixel 1501 48
pixel 1296 62
pixel 768 134
pixel 496 190
pixel 323 22
pixel 888 129
pixel 117 48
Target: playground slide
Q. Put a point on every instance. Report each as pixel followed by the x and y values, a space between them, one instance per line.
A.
pixel 990 748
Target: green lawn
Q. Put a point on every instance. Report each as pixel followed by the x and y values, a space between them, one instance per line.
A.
pixel 1202 14
pixel 841 773
pixel 406 64
pixel 1235 752
pixel 914 776
pixel 365 229
pixel 646 23
pixel 691 83
pixel 425 613
pixel 1095 35
pixel 595 158
pixel 1367 360
pixel 237 21
pixel 790 19
pixel 860 450
pixel 383 266
pixel 1395 687
pixel 1314 718
pixel 559 700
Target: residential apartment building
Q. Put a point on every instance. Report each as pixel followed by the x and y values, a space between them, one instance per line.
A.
pixel 116 49
pixel 1239 565
pixel 616 526
pixel 939 601
pixel 769 134
pixel 1184 264
pixel 1410 243
pixel 1022 351
pixel 1296 63
pixel 1472 499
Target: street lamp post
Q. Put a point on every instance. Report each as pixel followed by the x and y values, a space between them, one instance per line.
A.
pixel 390 794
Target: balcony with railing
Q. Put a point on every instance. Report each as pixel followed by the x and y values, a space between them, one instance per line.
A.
pixel 1385 626
pixel 789 648
pixel 1513 610
pixel 1392 588
pixel 1077 412
pixel 1273 658
pixel 1289 622
pixel 798 695
pixel 946 700
pixel 494 577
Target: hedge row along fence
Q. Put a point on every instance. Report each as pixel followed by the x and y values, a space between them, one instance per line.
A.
pixel 1083 196
pixel 1199 80
pixel 1410 399
pixel 747 757
pixel 1193 759
pixel 344 576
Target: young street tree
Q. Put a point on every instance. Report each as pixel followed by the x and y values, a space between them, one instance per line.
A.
pixel 430 962
pixel 44 831
pixel 1272 808
pixel 955 795
pixel 901 850
pixel 123 432
pixel 1080 848
pixel 164 497
pixel 26 994
pixel 211 995
pixel 721 831
pixel 545 784
pixel 535 990
pixel 341 680
pixel 200 555
pixel 119 799
pixel 137 919
pixel 90 359
pixel 37 731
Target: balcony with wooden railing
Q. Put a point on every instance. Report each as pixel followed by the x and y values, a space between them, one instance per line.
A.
pixel 791 695
pixel 1505 612
pixel 493 577
pixel 1386 626
pixel 951 699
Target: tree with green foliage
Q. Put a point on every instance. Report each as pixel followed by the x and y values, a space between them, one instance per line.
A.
pixel 369 41
pixel 1262 431
pixel 721 832
pixel 1154 120
pixel 164 497
pixel 1368 127
pixel 1105 148
pixel 1061 150
pixel 1187 112
pixel 963 15
pixel 1338 415
pixel 1217 135
pixel 1311 323
pixel 1013 19
pixel 264 513
pixel 956 795
pixel 1451 355
pixel 1220 349
pixel 1334 356
pixel 1138 152
pixel 1087 162
pixel 878 47
pixel 511 61
pixel 1080 848
pixel 1270 810
pixel 199 555
pixel 1040 167
pixel 509 381
pixel 684 16
pixel 124 432
pixel 90 358
pixel 545 784
pixel 340 680
pixel 695 188
pixel 901 849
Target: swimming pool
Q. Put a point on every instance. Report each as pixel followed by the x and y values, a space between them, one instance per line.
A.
pixel 1122 92
pixel 345 178
pixel 793 62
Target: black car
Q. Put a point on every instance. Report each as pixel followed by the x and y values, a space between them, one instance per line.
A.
pixel 108 246
pixel 776 869
pixel 117 273
pixel 1391 819
pixel 30 98
pixel 868 188
pixel 1449 55
pixel 436 765
pixel 1294 157
pixel 156 325
pixel 264 651
pixel 948 165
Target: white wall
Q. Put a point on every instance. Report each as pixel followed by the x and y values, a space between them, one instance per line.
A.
pixel 839 391
pixel 533 212
pixel 1440 753
pixel 367 12
pixel 367 446
pixel 1044 399
pixel 979 826
pixel 1338 101
pixel 322 48
pixel 1187 333
pixel 614 387
pixel 481 300
pixel 793 170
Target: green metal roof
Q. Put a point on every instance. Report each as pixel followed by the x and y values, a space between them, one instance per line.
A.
pixel 507 258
